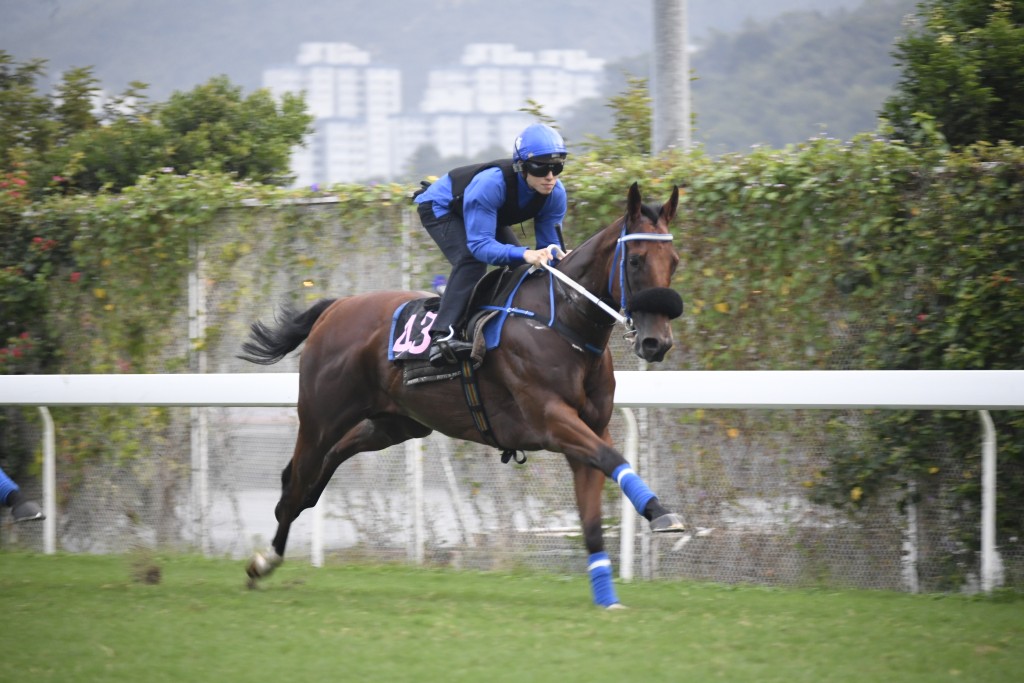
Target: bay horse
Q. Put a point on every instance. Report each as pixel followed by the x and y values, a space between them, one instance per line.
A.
pixel 546 386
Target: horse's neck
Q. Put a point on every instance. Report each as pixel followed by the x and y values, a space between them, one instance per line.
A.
pixel 591 263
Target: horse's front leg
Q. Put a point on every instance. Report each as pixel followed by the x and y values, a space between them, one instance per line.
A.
pixel 588 483
pixel 571 436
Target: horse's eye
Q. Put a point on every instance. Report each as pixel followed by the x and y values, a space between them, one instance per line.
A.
pixel 635 261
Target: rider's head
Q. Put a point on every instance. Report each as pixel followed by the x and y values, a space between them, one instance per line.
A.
pixel 538 150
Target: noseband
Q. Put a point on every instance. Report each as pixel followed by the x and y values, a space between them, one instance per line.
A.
pixel 658 300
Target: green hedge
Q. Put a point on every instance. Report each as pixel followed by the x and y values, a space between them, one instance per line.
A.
pixel 826 255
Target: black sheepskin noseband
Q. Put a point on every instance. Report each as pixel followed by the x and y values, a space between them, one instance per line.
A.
pixel 658 300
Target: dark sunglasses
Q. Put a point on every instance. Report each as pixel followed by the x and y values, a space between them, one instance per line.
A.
pixel 540 170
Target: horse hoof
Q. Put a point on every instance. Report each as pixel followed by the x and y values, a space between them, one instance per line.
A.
pixel 252 583
pixel 670 523
pixel 262 564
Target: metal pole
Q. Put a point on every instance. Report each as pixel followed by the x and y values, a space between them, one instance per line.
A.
pixel 49 483
pixel 414 483
pixel 989 554
pixel 627 529
pixel 199 416
pixel 316 542
pixel 671 78
pixel 911 579
pixel 413 448
pixel 647 469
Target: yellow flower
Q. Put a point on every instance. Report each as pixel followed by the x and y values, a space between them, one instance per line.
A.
pixel 856 493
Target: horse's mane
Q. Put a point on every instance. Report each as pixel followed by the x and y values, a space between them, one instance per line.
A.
pixel 650 213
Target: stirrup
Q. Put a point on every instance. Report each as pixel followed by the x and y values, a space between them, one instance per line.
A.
pixel 449 350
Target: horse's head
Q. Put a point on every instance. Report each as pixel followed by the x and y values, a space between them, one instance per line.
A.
pixel 641 274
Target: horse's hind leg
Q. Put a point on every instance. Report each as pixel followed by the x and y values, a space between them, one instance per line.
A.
pixel 373 434
pixel 264 562
pixel 306 476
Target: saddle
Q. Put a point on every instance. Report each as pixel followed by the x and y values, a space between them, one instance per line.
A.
pixel 409 339
pixel 493 289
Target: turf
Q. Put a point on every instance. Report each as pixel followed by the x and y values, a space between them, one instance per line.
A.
pixel 94 618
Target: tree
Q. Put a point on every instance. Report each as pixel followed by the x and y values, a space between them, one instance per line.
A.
pixel 25 116
pixel 215 128
pixel 631 123
pixel 61 143
pixel 962 66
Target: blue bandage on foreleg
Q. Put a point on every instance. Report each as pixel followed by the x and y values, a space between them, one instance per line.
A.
pixel 599 568
pixel 633 486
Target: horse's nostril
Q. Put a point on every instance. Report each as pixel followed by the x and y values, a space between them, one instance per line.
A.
pixel 653 350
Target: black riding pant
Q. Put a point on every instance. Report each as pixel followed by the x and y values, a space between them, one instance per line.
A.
pixel 449 232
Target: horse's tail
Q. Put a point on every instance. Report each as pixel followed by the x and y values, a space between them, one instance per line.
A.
pixel 267 345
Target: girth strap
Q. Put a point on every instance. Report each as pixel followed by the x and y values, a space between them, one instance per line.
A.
pixel 474 401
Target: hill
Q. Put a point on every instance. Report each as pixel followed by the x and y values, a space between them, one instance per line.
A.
pixel 178 44
pixel 797 76
pixel 769 72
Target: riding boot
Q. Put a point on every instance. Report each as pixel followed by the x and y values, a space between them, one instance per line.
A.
pixel 24 510
pixel 448 349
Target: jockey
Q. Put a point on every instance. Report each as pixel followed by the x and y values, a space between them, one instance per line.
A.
pixel 469 213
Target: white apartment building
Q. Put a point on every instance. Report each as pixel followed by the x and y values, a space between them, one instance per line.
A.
pixel 361 132
pixel 353 103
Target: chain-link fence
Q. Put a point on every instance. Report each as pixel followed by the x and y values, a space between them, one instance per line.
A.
pixel 208 479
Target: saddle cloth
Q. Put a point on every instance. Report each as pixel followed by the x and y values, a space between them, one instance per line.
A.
pixel 409 341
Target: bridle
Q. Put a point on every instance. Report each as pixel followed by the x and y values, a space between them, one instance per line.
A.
pixel 620 255
pixel 621 252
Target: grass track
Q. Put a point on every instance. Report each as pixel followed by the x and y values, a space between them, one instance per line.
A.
pixel 85 618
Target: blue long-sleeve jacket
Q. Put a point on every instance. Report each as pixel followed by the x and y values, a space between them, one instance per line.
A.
pixel 7 487
pixel 484 195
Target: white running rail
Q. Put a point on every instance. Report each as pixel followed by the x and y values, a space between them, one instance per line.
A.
pixel 981 390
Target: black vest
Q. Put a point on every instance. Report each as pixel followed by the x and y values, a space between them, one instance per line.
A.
pixel 509 213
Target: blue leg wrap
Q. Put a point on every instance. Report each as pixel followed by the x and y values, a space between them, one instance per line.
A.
pixel 633 486
pixel 599 567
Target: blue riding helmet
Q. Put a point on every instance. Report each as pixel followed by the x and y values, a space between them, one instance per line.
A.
pixel 538 143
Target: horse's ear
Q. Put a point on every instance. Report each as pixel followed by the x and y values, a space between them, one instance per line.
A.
pixel 634 203
pixel 668 210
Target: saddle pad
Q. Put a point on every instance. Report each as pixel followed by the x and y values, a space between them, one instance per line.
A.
pixel 409 341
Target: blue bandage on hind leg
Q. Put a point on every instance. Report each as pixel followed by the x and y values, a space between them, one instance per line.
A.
pixel 599 568
pixel 633 486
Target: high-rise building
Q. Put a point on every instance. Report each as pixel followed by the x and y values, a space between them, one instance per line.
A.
pixel 362 133
pixel 353 103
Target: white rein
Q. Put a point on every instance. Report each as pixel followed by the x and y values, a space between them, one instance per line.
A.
pixel 554 250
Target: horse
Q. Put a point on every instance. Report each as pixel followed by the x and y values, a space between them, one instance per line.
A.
pixel 545 386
